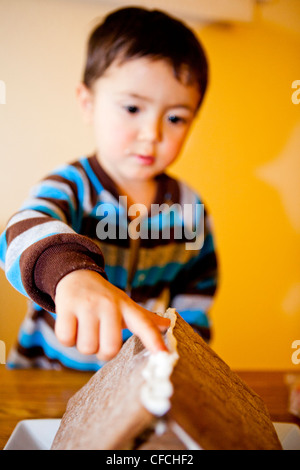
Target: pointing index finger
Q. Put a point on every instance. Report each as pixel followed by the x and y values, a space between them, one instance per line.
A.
pixel 147 325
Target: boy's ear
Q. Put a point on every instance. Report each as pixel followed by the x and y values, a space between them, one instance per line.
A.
pixel 86 101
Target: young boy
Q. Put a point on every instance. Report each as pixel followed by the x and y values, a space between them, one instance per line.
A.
pixel 144 80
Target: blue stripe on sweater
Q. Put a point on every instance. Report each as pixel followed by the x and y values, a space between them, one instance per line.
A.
pixel 3 247
pixel 207 283
pixel 13 275
pixel 117 275
pixel 91 175
pixel 72 174
pixel 37 339
pixel 208 246
pixel 48 191
pixel 40 208
pixel 195 317
pixel 155 274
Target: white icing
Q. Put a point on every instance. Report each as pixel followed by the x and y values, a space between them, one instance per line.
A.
pixel 160 427
pixel 189 443
pixel 158 388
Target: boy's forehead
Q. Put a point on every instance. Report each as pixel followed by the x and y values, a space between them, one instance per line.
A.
pixel 139 66
pixel 147 78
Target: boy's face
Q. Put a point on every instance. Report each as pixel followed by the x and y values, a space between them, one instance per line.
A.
pixel 141 115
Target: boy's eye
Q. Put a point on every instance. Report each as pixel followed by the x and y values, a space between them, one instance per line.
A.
pixel 176 119
pixel 132 109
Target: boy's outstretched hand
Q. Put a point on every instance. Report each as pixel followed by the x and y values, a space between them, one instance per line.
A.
pixel 91 313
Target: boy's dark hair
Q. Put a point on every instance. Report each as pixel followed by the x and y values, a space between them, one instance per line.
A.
pixel 137 32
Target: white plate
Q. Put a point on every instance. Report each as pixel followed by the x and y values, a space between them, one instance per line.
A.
pixel 289 435
pixel 33 434
pixel 38 434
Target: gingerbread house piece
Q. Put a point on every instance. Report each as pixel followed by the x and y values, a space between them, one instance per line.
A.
pixel 186 399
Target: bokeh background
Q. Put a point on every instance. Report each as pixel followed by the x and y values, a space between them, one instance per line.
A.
pixel 243 154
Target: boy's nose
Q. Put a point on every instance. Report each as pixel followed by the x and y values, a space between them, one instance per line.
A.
pixel 150 131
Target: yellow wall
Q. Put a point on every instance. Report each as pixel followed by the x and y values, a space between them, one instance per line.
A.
pixel 244 153
pixel 243 156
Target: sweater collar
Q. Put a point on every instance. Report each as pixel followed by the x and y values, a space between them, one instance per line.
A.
pixel 167 187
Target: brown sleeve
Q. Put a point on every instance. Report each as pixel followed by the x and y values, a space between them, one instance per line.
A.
pixel 45 263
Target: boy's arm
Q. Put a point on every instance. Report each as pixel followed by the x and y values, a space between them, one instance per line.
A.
pixel 41 245
pixel 41 250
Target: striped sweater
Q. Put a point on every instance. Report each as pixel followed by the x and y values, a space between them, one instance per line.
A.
pixel 73 220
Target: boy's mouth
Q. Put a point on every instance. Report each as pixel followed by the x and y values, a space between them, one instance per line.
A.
pixel 145 159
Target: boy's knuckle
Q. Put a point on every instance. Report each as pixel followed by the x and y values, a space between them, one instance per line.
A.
pixel 85 349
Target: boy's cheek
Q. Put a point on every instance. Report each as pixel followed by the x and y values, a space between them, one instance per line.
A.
pixel 122 141
pixel 111 135
pixel 172 150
